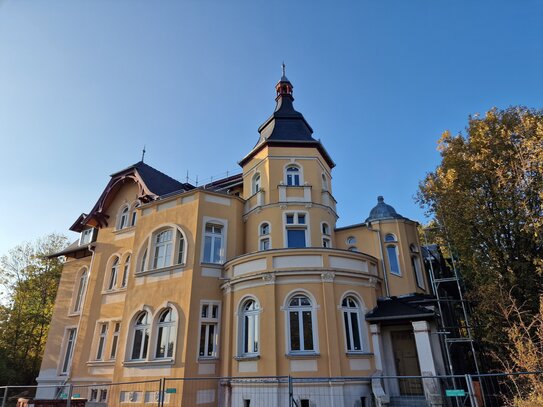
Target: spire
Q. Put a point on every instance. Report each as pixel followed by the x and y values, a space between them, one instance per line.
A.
pixel 283 87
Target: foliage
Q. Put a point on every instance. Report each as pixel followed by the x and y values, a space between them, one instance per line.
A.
pixel 29 280
pixel 486 197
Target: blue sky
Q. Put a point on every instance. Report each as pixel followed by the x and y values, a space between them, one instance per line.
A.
pixel 84 85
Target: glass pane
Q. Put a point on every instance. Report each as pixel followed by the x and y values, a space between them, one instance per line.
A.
pixel 217 250
pixel 211 340
pixel 202 339
pixel 393 260
pixel 180 253
pixel 114 346
pixel 301 219
pixel 145 343
pixel 296 238
pixel 167 255
pixel 246 334
pixel 356 331
pixel 294 330
pixel 304 301
pixel 160 345
pixel 308 330
pixel 290 219
pixel 136 348
pixel 215 311
pixel 207 249
pixel 205 307
pixel 347 330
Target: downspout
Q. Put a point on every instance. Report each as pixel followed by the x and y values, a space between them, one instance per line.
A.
pixel 385 277
pixel 90 248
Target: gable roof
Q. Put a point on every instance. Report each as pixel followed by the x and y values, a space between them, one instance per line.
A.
pixel 151 183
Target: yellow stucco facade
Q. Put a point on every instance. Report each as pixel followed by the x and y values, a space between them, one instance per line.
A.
pixel 247 276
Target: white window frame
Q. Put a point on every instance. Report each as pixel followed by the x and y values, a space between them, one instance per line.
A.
pixel 287 308
pixel 347 329
pixel 264 237
pixel 170 327
pixel 113 267
pixel 299 173
pixel 102 329
pixel 224 235
pixel 123 217
pixel 87 236
pixel 67 350
pixel 351 240
pixel 254 315
pixel 126 270
pixel 115 338
pixel 256 183
pixel 133 219
pixel 419 275
pixel 146 257
pixel 79 290
pixel 296 225
pixel 208 321
pixel 146 333
pixel 326 237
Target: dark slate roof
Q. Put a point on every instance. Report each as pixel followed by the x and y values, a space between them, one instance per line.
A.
pixel 383 211
pixel 401 308
pixel 74 249
pixel 224 183
pixel 158 182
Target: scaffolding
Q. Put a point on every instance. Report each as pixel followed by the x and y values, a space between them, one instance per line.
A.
pixel 454 317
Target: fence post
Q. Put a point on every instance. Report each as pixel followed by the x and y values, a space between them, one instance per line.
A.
pixel 69 399
pixel 5 396
pixel 161 391
pixel 290 392
pixel 471 391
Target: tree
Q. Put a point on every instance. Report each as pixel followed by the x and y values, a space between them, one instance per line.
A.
pixel 486 197
pixel 30 280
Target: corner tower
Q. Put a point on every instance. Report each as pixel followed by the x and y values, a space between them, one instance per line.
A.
pixel 287 181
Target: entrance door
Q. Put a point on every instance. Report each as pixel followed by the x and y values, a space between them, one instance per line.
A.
pixel 407 362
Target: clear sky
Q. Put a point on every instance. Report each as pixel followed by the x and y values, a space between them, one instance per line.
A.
pixel 85 84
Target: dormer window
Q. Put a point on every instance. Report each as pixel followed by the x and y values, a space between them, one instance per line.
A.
pixel 87 236
pixel 293 175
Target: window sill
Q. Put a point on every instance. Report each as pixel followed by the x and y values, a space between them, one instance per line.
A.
pixel 180 266
pixel 246 358
pixel 354 354
pixel 308 355
pixel 114 291
pixel 101 363
pixel 154 362
pixel 208 359
pixel 124 230
pixel 212 265
pixel 74 314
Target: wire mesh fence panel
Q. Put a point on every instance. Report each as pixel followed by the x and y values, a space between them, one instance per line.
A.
pixel 188 392
pixel 337 391
pixel 134 394
pixel 255 391
pixel 523 389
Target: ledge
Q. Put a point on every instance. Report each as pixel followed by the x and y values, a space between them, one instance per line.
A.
pixel 154 362
pixel 212 265
pixel 247 358
pixel 101 363
pixel 361 355
pixel 207 359
pixel 124 230
pixel 308 355
pixel 180 267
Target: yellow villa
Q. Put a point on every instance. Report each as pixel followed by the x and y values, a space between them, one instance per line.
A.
pixel 247 276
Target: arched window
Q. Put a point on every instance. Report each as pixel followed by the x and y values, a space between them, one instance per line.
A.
pixel 165 341
pixel 167 247
pixel 300 325
pixel 264 241
pixel 351 240
pixel 123 218
pixel 112 281
pixel 256 183
pixel 134 214
pixel 293 176
pixel 353 324
pixel 80 290
pixel 326 240
pixel 392 254
pixel 126 269
pixel 250 328
pixel 390 238
pixel 140 340
pixel 213 243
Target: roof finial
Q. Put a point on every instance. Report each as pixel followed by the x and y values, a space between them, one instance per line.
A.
pixel 143 153
pixel 283 66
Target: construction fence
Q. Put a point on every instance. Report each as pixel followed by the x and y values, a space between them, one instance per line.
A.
pixel 484 390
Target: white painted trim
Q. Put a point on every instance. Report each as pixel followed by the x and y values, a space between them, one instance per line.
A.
pixel 314 321
pixel 224 243
pixel 217 339
pixel 306 226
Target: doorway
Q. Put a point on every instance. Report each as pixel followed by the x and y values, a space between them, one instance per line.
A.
pixel 407 362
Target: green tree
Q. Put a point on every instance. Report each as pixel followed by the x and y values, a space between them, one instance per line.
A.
pixel 29 279
pixel 486 197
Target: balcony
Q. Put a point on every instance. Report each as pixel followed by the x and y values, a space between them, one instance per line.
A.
pixel 308 259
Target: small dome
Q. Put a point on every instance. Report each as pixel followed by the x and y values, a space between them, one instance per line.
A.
pixel 383 211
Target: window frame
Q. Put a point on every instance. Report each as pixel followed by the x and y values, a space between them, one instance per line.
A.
pixel 123 217
pixel 287 308
pixel 256 183
pixel 417 270
pixel 170 326
pixel 207 322
pixel 126 270
pixel 264 236
pixel 80 288
pixel 102 329
pixel 326 237
pixel 296 225
pixel 395 256
pixel 145 344
pixel 254 315
pixel 293 182
pixel 114 263
pixel 146 253
pixel 115 337
pixel 89 234
pixel 348 331
pixel 67 350
pixel 223 223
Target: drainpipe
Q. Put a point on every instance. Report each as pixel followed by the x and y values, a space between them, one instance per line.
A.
pixel 90 248
pixel 378 231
